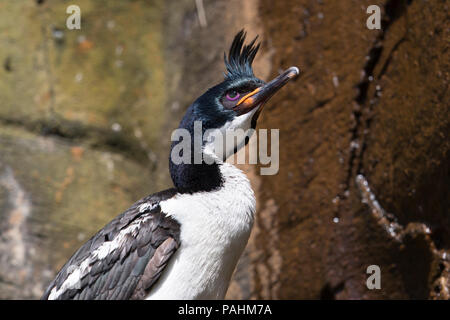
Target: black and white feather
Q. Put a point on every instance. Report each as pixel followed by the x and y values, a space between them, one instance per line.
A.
pixel 124 259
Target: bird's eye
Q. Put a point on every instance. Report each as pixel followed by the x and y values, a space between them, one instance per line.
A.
pixel 233 95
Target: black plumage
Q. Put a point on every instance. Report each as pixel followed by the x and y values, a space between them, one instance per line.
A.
pixel 192 177
pixel 240 57
pixel 116 275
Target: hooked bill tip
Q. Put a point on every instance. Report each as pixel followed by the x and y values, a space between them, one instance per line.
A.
pixel 293 72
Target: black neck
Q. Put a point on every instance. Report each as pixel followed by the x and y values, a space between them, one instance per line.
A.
pixel 189 178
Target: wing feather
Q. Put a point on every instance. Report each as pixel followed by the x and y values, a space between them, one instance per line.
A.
pixel 124 259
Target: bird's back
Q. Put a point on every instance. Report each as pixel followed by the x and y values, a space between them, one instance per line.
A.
pixel 124 259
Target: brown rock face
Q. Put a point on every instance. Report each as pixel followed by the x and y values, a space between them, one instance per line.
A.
pixel 369 102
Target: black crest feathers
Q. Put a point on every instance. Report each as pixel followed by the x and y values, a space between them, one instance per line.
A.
pixel 240 57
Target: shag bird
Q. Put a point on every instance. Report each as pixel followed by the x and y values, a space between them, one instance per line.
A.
pixel 184 242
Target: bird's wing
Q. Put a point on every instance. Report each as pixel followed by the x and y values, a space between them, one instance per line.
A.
pixel 124 259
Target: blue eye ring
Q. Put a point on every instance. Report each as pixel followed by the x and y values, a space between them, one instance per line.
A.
pixel 230 96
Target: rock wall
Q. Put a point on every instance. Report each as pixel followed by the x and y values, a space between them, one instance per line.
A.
pixel 80 114
pixel 371 103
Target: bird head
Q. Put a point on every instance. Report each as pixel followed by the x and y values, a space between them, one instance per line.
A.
pixel 234 104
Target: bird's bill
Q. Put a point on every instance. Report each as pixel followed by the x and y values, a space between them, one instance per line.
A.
pixel 262 94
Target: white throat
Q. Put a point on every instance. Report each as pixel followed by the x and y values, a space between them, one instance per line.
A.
pixel 215 227
pixel 222 142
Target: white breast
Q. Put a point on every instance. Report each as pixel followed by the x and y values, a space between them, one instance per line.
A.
pixel 215 227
